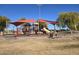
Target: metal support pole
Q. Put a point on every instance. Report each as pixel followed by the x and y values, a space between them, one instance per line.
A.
pixel 54 28
pixel 16 31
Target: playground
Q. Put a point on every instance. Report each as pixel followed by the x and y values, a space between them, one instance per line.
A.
pixel 31 27
pixel 34 35
pixel 29 38
pixel 39 42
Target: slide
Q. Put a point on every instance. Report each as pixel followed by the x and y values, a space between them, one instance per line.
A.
pixel 46 30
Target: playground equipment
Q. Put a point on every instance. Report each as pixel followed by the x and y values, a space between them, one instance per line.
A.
pixel 35 25
pixel 36 28
pixel 50 22
pixel 26 28
pixel 47 31
pixel 19 22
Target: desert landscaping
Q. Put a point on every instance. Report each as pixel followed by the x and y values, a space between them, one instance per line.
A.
pixel 39 45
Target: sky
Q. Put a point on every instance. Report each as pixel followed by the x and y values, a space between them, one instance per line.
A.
pixel 31 11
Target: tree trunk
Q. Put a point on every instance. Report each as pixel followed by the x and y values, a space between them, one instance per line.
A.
pixel 71 31
pixel 75 27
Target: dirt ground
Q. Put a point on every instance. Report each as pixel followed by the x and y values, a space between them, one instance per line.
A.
pixel 38 45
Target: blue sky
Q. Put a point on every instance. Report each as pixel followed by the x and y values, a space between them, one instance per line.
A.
pixel 31 11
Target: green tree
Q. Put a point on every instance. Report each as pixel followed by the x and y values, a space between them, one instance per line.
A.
pixel 22 18
pixel 4 21
pixel 42 24
pixel 69 19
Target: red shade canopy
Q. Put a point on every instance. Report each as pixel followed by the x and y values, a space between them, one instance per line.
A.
pixel 30 20
pixel 51 22
pixel 19 22
pixel 42 20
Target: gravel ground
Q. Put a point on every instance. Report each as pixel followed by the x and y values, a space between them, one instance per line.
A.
pixel 39 45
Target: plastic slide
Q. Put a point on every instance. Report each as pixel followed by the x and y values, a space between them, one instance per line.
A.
pixel 46 30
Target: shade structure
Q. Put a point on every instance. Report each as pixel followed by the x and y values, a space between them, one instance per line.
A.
pixel 27 24
pixel 51 22
pixel 29 20
pixel 42 20
pixel 16 23
pixel 19 22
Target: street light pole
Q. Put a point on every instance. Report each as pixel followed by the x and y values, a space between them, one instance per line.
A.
pixel 39 11
pixel 39 6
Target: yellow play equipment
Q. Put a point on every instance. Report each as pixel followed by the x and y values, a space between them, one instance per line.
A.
pixel 46 30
